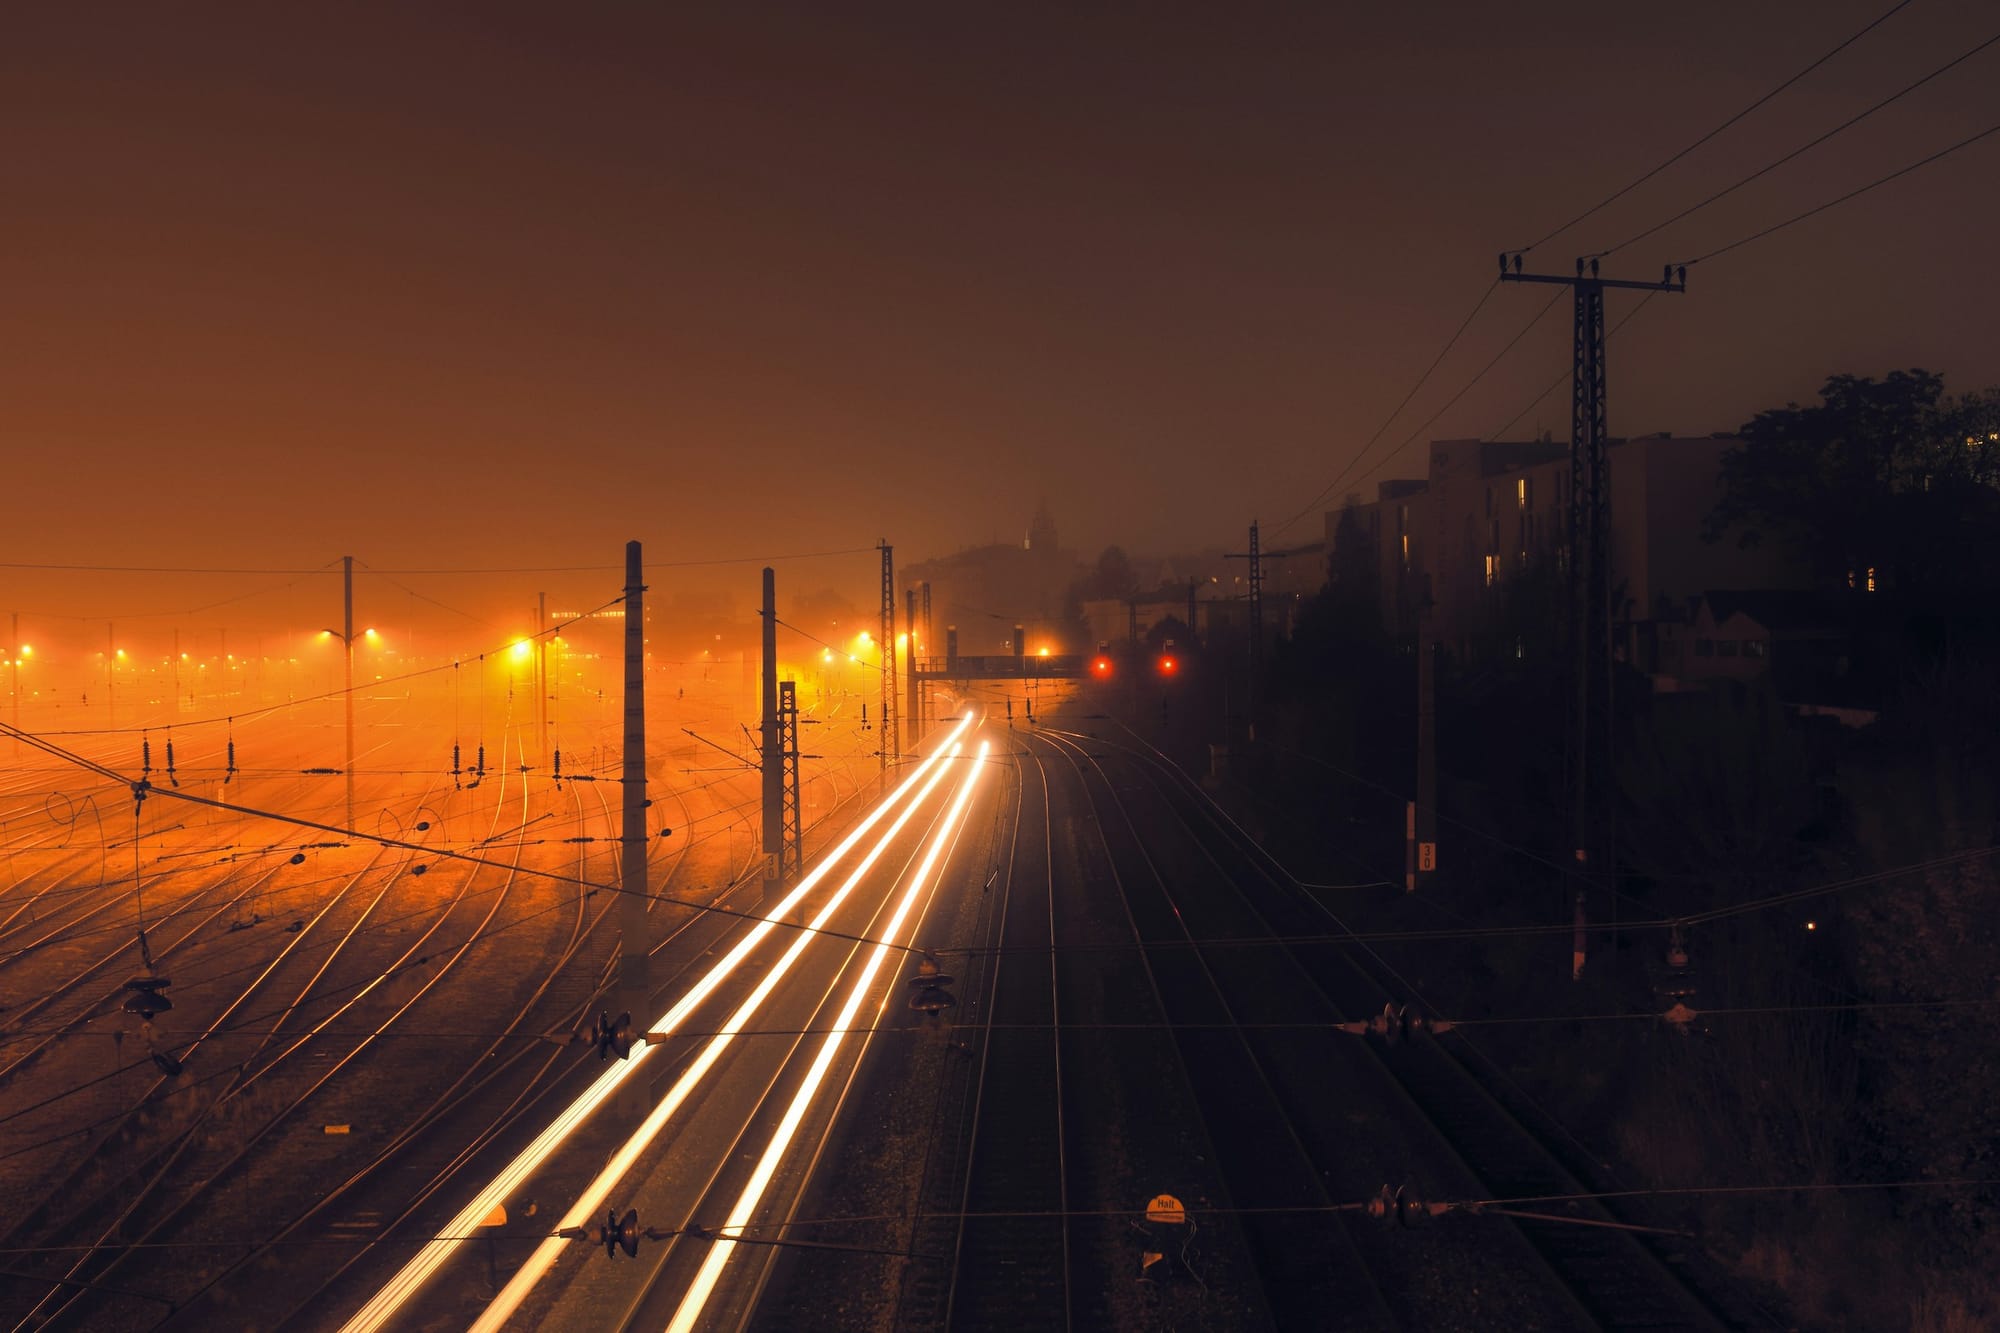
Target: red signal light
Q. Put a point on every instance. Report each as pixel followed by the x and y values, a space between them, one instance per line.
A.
pixel 1101 666
pixel 1168 666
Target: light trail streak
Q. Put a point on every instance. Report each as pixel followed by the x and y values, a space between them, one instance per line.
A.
pixel 593 1196
pixel 753 1193
pixel 385 1303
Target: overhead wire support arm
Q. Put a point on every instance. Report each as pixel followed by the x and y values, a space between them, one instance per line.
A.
pixel 1674 280
pixel 740 760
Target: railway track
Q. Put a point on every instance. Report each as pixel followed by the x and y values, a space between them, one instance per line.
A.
pixel 774 1078
pixel 1613 1278
pixel 1009 1155
pixel 1081 1109
pixel 1307 1262
pixel 173 936
pixel 498 1091
pixel 167 1184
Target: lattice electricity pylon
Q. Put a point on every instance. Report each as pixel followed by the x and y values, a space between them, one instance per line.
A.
pixel 1588 556
pixel 892 737
pixel 923 641
pixel 1256 607
pixel 791 852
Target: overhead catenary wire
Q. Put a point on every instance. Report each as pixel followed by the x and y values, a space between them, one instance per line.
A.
pixel 1802 149
pixel 1657 922
pixel 1641 179
pixel 711 908
pixel 832 648
pixel 417 673
pixel 744 1233
pixel 1347 935
pixel 1295 1025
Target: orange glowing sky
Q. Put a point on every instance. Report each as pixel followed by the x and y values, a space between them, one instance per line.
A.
pixel 509 284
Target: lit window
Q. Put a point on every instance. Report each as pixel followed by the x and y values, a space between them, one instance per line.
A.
pixel 1492 563
pixel 1871 578
pixel 1406 550
pixel 1521 493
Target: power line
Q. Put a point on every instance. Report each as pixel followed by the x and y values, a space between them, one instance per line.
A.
pixel 1557 381
pixel 1344 936
pixel 497 569
pixel 248 715
pixel 832 648
pixel 1468 385
pixel 1641 180
pixel 1368 444
pixel 437 853
pixel 1851 194
pixel 1806 147
pixel 741 1234
pixel 1298 1025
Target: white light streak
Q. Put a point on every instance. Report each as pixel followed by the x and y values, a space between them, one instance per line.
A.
pixel 753 1193
pixel 371 1317
pixel 593 1196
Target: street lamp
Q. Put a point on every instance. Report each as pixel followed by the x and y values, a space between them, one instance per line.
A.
pixel 17 651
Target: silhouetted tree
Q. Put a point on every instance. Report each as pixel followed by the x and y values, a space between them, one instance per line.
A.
pixel 1932 1076
pixel 1114 576
pixel 1885 475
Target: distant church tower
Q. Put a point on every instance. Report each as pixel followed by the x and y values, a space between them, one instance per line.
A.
pixel 1042 532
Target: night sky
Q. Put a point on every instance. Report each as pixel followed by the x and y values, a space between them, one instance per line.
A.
pixel 507 285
